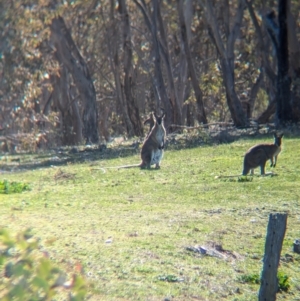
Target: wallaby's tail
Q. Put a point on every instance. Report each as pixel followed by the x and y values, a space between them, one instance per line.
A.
pixel 231 176
pixel 103 169
pixel 128 166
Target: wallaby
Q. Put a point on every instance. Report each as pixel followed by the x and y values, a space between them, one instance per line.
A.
pixel 153 146
pixel 259 154
pixel 150 120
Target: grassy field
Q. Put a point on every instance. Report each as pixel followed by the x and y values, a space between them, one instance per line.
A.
pixel 134 230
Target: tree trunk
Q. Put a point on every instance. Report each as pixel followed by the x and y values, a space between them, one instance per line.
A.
pixel 129 78
pixel 284 108
pixel 254 91
pixel 182 82
pixel 164 50
pixel 159 85
pixel 227 58
pixel 266 66
pixel 69 56
pixel 71 130
pixel 265 116
pixel 113 44
pixel 235 107
pixel 158 71
pixel 294 54
pixel 198 93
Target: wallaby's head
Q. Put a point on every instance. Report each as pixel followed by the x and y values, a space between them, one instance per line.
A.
pixel 159 120
pixel 277 139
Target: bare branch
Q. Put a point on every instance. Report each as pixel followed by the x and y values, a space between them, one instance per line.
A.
pixel 234 33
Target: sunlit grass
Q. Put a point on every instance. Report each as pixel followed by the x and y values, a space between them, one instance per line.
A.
pixel 130 228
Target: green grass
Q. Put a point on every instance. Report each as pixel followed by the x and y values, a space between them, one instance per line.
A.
pixel 12 187
pixel 130 228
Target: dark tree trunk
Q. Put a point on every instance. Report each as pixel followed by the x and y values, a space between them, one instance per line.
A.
pixel 113 44
pixel 198 93
pixel 129 79
pixel 266 66
pixel 164 50
pixel 294 54
pixel 69 56
pixel 254 91
pixel 64 104
pixel 235 107
pixel 158 71
pixel 162 99
pixel 284 108
pixel 265 116
pixel 226 53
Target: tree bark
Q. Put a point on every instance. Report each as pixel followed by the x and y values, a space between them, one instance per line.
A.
pixel 284 108
pixel 294 54
pixel 254 91
pixel 70 125
pixel 159 85
pixel 266 69
pixel 227 58
pixel 115 67
pixel 129 78
pixel 198 93
pixel 182 82
pixel 273 245
pixel 68 55
pixel 164 50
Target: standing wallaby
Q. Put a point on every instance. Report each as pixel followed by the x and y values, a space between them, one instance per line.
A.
pixel 150 120
pixel 259 154
pixel 153 146
pixel 152 149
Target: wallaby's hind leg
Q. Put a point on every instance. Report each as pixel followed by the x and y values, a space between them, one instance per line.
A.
pixel 146 161
pixel 157 166
pixel 146 165
pixel 262 169
pixel 252 171
pixel 245 170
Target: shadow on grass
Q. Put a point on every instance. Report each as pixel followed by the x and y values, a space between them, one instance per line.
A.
pixel 63 156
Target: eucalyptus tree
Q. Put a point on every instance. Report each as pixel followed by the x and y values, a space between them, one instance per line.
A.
pixel 282 70
pixel 192 72
pixel 225 43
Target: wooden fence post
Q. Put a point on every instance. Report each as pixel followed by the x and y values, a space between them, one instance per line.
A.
pixel 274 239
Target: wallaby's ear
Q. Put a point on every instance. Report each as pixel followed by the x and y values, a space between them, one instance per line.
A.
pixel 147 121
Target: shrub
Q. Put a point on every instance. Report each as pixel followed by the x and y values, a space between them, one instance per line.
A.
pixel 30 275
pixel 12 187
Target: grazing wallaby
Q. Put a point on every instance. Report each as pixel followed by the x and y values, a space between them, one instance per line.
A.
pixel 259 154
pixel 153 146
